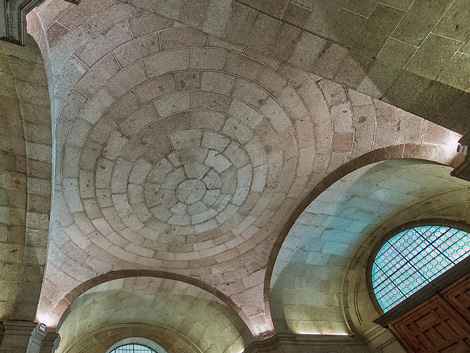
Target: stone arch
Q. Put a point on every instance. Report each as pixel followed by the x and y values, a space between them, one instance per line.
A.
pixel 26 152
pixel 103 338
pixel 407 151
pixel 61 308
pixel 192 316
pixel 450 210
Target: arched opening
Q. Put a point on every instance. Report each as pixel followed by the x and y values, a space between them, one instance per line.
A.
pixel 136 345
pixel 413 258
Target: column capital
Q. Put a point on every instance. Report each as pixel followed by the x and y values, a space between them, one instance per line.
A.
pixel 13 18
pixel 17 335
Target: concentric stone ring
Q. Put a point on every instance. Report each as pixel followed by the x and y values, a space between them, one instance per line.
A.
pixel 201 183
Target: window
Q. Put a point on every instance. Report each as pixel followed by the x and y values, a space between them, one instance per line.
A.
pixel 136 345
pixel 413 258
pixel 132 348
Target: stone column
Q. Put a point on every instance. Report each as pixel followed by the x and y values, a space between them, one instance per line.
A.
pixel 35 341
pixel 50 343
pixel 26 337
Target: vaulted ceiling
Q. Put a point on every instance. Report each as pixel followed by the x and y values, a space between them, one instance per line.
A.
pixel 212 150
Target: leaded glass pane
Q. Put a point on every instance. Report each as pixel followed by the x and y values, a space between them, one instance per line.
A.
pixel 413 258
pixel 133 348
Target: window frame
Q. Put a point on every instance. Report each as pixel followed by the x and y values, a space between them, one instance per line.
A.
pixel 430 289
pixel 142 341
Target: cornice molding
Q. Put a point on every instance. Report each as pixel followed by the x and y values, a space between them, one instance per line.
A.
pixel 279 341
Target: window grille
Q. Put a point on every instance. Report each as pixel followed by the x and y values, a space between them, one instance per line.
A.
pixel 413 258
pixel 132 348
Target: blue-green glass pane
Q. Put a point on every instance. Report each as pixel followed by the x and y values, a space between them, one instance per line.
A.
pixel 133 348
pixel 413 258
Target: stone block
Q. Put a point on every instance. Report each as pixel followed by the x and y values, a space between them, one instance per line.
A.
pixel 97 105
pixel 249 93
pixel 193 12
pixel 173 103
pixel 324 16
pixel 67 47
pixel 137 145
pixel 307 50
pixel 454 23
pixel 241 24
pixel 127 79
pixel 73 106
pixel 101 21
pixel 329 60
pixel 182 38
pixel 378 29
pixel 103 129
pixel 217 82
pixel 244 113
pixel 208 58
pixel 347 28
pixel 162 63
pixel 378 80
pixel 209 101
pixel 458 63
pixel 419 20
pixel 399 4
pixel 101 44
pixel 271 81
pixel 457 116
pixel 217 17
pixel 433 54
pixel 276 115
pixel 243 66
pixel 296 14
pixel 156 87
pixel 113 146
pixel 274 8
pixel 122 108
pixel 188 80
pixel 285 41
pixel 263 33
pixel 436 101
pixel 396 54
pixel 406 90
pixel 137 48
pixel 146 22
pixel 79 133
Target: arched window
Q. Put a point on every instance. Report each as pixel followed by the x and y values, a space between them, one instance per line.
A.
pixel 132 348
pixel 136 345
pixel 413 258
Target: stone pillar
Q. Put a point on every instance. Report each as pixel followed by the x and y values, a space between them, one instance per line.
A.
pixel 462 171
pixel 35 341
pixel 50 343
pixel 16 336
pixel 26 337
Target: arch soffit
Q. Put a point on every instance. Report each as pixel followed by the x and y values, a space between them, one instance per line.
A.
pixel 109 335
pixel 406 151
pixel 27 141
pixel 63 306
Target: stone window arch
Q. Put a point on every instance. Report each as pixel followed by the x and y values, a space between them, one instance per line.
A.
pixel 412 257
pixel 136 345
